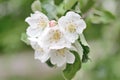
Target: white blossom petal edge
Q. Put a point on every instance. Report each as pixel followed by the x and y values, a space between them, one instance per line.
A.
pixel 40 53
pixel 61 56
pixel 53 38
pixel 37 23
pixel 72 24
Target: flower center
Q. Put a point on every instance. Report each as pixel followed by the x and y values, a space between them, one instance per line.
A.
pixel 40 49
pixel 42 23
pixel 61 52
pixel 56 35
pixel 71 28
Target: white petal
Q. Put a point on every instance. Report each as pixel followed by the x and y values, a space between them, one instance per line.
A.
pixel 61 45
pixel 40 15
pixel 45 57
pixel 32 21
pixel 34 44
pixel 33 39
pixel 43 39
pixel 72 18
pixel 81 25
pixel 36 18
pixel 33 32
pixel 42 56
pixel 53 41
pixel 62 21
pixel 57 59
pixel 70 58
pixel 38 55
pixel 71 37
pixel 73 15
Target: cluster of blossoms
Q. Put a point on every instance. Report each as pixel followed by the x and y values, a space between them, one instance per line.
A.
pixel 53 40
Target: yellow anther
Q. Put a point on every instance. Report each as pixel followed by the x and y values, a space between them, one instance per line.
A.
pixel 42 24
pixel 56 35
pixel 71 28
pixel 61 52
pixel 40 49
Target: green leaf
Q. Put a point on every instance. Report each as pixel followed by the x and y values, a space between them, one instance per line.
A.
pixel 69 4
pixel 95 19
pixel 85 47
pixel 49 63
pixel 58 2
pixel 36 6
pixel 107 16
pixel 71 69
pixel 102 16
pixel 24 38
pixel 60 10
pixel 87 6
pixel 51 11
pixel 49 8
pixel 81 3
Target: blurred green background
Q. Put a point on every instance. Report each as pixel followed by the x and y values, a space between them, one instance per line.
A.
pixel 102 33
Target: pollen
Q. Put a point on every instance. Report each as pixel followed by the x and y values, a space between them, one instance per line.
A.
pixel 40 49
pixel 61 52
pixel 56 35
pixel 42 23
pixel 71 28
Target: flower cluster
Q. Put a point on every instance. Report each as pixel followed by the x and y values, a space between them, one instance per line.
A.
pixel 53 40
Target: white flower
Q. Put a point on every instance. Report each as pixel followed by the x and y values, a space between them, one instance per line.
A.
pixel 53 38
pixel 62 56
pixel 41 54
pixel 57 57
pixel 37 23
pixel 72 24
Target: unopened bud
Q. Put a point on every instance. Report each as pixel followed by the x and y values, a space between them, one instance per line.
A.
pixel 52 23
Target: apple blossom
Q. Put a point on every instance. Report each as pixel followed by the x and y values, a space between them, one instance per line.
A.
pixel 72 24
pixel 37 23
pixel 53 38
pixel 62 56
pixel 40 53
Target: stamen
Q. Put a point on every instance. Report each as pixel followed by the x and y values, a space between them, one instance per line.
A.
pixel 56 35
pixel 71 28
pixel 42 23
pixel 40 49
pixel 61 52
